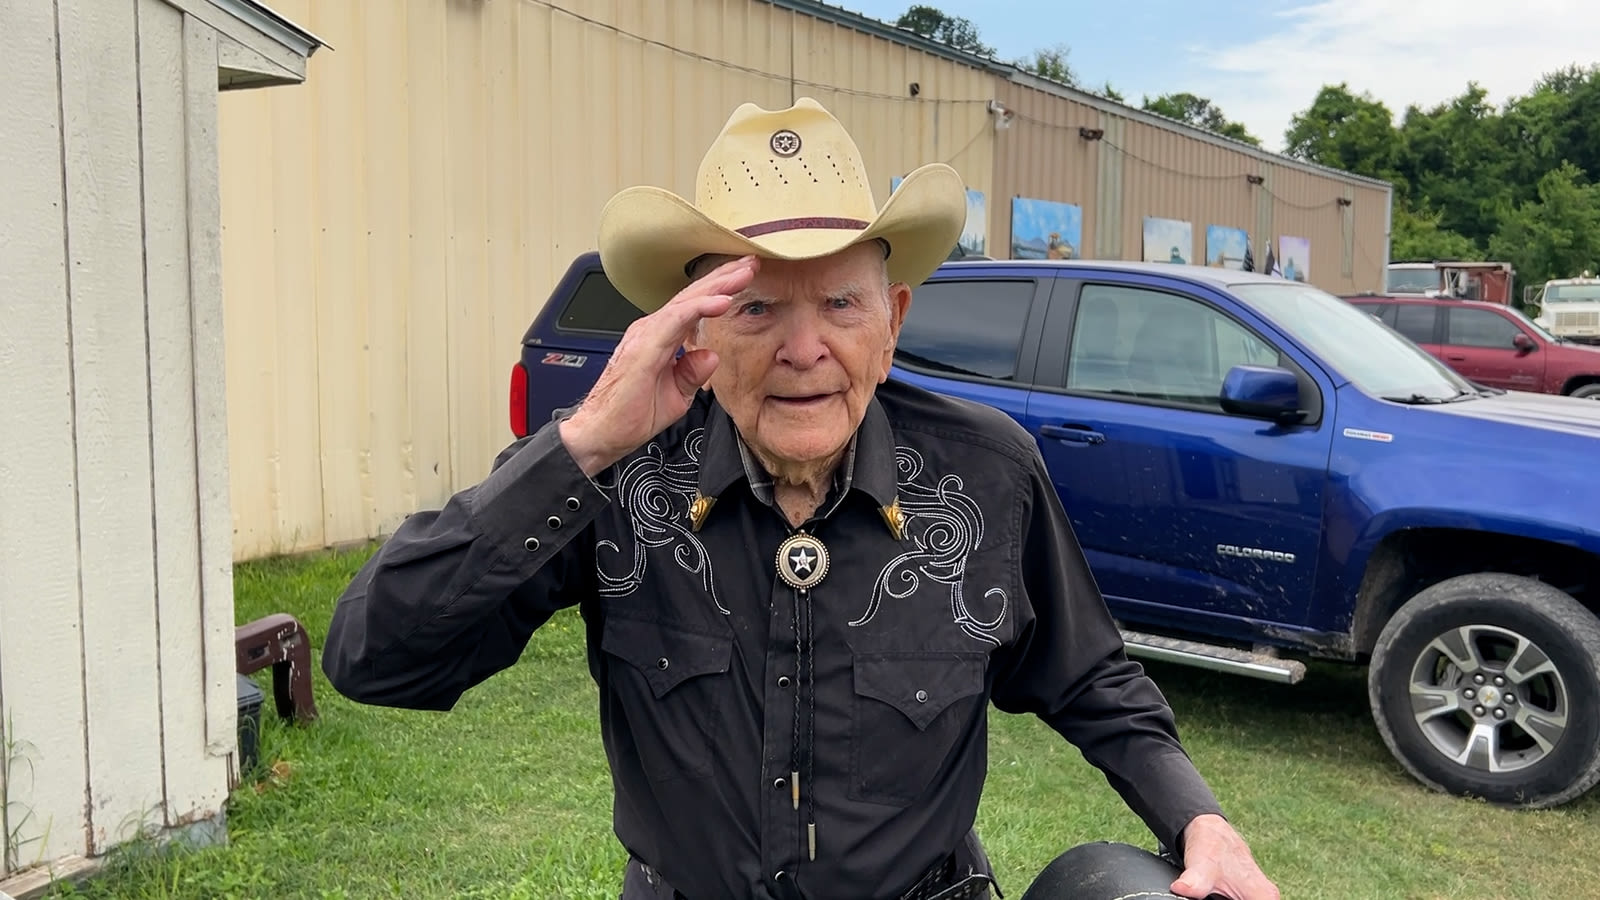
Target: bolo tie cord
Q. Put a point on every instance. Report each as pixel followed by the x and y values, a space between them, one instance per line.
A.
pixel 806 682
pixel 811 721
pixel 794 735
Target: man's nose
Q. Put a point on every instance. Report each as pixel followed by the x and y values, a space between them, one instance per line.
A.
pixel 803 344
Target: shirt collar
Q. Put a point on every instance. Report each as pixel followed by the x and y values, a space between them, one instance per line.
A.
pixel 868 466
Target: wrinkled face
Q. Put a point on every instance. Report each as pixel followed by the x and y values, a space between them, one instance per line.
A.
pixel 801 350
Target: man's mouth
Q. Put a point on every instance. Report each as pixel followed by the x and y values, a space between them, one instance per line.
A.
pixel 803 400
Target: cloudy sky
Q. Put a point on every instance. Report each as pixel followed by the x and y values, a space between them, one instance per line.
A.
pixel 1264 60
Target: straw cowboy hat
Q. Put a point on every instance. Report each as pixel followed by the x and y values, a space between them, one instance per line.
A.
pixel 785 184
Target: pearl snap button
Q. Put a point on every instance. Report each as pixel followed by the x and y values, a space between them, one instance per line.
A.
pixel 531 544
pixel 554 522
pixel 572 503
pixel 922 696
pixel 662 663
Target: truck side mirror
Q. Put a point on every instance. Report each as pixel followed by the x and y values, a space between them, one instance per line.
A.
pixel 1262 392
pixel 1523 343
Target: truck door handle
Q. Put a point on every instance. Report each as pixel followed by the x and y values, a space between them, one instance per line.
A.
pixel 1454 358
pixel 1076 434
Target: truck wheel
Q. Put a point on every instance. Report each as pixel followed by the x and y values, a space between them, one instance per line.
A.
pixel 1588 392
pixel 1485 686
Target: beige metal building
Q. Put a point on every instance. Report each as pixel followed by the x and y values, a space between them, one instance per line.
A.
pixel 118 705
pixel 391 229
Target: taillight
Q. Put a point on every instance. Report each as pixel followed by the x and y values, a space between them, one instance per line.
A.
pixel 519 400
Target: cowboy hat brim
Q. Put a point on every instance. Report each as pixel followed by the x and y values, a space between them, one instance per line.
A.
pixel 648 236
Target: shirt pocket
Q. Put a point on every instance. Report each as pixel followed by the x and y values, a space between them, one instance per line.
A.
pixel 911 710
pixel 667 688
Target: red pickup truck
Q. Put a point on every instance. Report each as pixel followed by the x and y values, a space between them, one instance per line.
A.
pixel 1493 345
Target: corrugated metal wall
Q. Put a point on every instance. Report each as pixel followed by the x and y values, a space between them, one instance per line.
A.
pixel 1040 156
pixel 1140 166
pixel 391 227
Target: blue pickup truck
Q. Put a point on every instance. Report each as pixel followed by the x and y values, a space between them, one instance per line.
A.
pixel 1262 474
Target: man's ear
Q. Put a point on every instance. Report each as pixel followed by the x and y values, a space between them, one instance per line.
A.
pixel 899 305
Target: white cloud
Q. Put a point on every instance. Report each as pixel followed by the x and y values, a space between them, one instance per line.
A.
pixel 1402 51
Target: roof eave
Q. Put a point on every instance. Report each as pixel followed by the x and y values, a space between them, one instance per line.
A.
pixel 272 24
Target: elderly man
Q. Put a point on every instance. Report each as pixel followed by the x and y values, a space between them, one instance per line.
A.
pixel 803 584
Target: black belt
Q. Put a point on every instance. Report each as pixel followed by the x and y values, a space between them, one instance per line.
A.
pixel 943 882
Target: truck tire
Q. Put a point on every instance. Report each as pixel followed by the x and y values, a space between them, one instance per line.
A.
pixel 1588 392
pixel 1484 685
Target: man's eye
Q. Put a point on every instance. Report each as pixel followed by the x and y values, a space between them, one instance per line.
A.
pixel 840 303
pixel 753 309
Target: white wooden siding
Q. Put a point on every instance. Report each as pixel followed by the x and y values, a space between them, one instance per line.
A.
pixel 116 609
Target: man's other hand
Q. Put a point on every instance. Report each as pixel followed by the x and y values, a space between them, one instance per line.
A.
pixel 1218 863
pixel 646 386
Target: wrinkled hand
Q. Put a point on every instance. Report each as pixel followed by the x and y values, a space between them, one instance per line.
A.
pixel 645 386
pixel 1219 863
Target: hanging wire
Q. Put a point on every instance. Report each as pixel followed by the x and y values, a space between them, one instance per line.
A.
pixel 1163 167
pixel 749 70
pixel 968 146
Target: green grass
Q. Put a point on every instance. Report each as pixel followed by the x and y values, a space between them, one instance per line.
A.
pixel 508 796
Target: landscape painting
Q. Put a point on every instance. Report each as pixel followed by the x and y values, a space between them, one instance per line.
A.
pixel 1046 229
pixel 1168 241
pixel 1226 247
pixel 1295 257
pixel 975 235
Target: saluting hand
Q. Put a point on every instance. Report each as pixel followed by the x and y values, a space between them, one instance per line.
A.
pixel 645 386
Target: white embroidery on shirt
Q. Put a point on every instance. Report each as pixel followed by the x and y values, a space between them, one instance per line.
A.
pixel 945 525
pixel 656 492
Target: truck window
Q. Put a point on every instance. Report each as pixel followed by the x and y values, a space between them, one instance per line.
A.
pixel 597 306
pixel 1158 346
pixel 1416 321
pixel 1480 328
pixel 966 328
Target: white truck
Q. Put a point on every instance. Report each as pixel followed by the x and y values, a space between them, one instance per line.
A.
pixel 1570 308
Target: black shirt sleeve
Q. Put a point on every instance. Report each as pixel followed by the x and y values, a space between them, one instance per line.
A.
pixel 1068 667
pixel 455 594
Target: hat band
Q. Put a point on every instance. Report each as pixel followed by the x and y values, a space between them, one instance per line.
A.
pixel 827 222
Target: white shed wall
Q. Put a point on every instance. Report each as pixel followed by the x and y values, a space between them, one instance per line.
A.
pixel 117 700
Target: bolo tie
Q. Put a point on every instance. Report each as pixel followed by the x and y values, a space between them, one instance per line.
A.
pixel 802 563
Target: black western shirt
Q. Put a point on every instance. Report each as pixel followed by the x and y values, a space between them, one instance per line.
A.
pixel 765 738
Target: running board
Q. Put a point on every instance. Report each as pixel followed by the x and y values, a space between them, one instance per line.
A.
pixel 1218 659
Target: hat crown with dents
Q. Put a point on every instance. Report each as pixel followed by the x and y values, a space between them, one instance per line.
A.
pixel 798 161
pixel 785 184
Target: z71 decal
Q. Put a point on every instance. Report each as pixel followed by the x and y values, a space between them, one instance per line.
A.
pixel 570 360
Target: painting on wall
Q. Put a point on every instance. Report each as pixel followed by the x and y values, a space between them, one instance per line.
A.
pixel 1046 229
pixel 1294 257
pixel 975 234
pixel 1168 241
pixel 1226 248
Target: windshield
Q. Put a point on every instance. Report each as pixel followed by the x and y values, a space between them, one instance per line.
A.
pixel 1412 281
pixel 1564 293
pixel 1376 358
pixel 1531 325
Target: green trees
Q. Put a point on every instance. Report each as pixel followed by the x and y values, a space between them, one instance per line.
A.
pixel 1517 183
